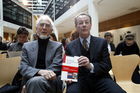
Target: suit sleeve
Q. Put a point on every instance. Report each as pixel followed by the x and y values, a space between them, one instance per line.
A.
pixel 103 64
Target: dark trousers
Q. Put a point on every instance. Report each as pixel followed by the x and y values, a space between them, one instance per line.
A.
pixel 102 85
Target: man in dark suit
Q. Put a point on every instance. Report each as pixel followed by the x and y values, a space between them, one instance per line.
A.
pixel 41 60
pixel 94 61
pixel 108 36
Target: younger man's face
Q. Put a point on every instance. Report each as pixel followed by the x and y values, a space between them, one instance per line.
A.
pixel 22 38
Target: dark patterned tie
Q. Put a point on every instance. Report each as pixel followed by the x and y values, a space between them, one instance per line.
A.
pixel 85 44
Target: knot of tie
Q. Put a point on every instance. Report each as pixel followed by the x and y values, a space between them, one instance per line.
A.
pixel 85 44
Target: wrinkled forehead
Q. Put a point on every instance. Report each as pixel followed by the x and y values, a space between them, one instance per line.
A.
pixel 82 17
pixel 43 19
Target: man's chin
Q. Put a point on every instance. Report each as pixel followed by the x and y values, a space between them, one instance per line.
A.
pixel 43 36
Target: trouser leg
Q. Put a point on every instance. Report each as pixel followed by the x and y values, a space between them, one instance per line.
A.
pixel 39 84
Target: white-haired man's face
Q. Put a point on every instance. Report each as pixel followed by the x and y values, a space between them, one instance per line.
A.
pixel 44 28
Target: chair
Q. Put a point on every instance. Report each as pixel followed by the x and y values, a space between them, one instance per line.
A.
pixel 111 53
pixel 14 53
pixel 123 68
pixel 8 69
pixel 2 56
pixel 3 51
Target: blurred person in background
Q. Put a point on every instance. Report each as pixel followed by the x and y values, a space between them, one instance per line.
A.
pixel 3 46
pixel 35 37
pixel 53 37
pixel 22 37
pixel 64 42
pixel 108 36
pixel 128 47
pixel 74 35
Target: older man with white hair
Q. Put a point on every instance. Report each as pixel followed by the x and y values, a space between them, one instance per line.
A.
pixel 41 60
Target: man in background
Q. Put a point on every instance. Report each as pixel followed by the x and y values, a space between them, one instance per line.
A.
pixel 22 37
pixel 128 47
pixel 108 36
pixel 3 46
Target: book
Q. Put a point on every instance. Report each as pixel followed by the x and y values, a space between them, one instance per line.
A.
pixel 70 68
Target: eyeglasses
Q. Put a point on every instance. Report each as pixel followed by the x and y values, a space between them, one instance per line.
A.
pixel 44 24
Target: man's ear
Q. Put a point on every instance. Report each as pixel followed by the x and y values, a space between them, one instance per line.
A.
pixel 51 29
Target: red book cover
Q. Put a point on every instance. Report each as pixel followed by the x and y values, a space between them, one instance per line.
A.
pixel 70 68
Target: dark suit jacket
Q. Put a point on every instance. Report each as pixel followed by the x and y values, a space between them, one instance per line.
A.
pixel 99 55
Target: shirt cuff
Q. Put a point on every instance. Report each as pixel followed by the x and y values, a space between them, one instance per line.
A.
pixel 92 68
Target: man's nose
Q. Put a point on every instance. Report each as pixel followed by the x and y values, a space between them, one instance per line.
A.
pixel 84 24
pixel 44 26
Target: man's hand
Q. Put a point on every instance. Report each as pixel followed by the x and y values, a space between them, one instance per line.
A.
pixel 84 61
pixel 48 74
pixel 68 81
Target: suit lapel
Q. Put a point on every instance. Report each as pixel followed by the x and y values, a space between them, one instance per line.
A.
pixel 35 52
pixel 77 48
pixel 48 52
pixel 93 48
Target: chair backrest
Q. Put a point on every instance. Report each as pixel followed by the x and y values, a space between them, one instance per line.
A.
pixel 14 53
pixel 2 56
pixel 111 53
pixel 124 66
pixel 8 69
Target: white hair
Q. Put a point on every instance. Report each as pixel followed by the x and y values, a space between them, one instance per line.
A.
pixel 44 17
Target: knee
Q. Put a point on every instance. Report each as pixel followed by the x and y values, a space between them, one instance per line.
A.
pixel 38 80
pixel 120 90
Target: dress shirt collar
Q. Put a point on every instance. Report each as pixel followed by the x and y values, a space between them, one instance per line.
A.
pixel 88 40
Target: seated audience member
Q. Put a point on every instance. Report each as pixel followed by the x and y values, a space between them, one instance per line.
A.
pixel 94 61
pixel 13 41
pixel 128 47
pixel 108 36
pixel 74 35
pixel 64 42
pixel 41 60
pixel 35 37
pixel 22 37
pixel 53 37
pixel 3 46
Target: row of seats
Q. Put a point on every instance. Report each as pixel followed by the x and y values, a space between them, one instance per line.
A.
pixel 122 68
pixel 8 69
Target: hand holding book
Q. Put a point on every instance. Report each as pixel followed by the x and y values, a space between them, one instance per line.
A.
pixel 70 69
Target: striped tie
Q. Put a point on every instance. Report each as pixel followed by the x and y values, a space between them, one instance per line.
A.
pixel 85 44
